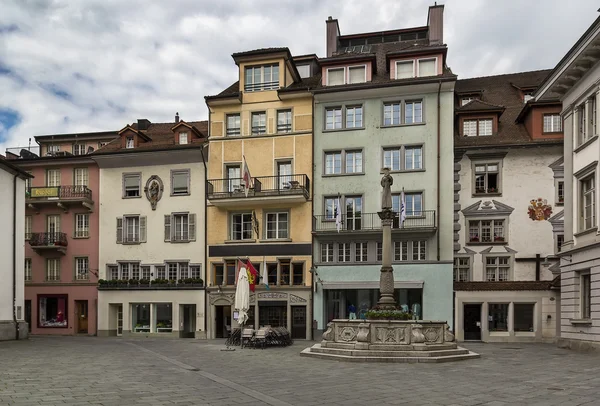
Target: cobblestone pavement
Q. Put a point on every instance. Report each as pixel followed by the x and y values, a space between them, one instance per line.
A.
pixel 112 371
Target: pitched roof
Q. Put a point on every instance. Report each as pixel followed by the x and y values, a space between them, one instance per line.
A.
pixel 479 105
pixel 15 170
pixel 260 51
pixel 160 137
pixel 501 90
pixel 507 285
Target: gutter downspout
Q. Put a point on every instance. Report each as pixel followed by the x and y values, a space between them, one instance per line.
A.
pixel 312 211
pixel 438 165
pixel 206 231
pixel 538 269
pixel 14 257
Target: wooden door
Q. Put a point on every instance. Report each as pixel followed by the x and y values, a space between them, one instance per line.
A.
pixel 81 313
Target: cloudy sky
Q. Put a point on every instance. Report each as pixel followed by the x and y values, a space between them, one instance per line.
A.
pixel 88 65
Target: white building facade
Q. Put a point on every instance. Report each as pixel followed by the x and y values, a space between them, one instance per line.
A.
pixel 12 252
pixel 152 238
pixel 576 80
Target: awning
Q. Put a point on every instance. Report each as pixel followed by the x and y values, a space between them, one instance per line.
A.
pixel 370 285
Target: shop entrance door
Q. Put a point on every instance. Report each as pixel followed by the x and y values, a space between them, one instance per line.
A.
pixel 299 322
pixel 81 314
pixel 222 321
pixel 472 321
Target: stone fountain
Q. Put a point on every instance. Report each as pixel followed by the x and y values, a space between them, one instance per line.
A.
pixel 388 340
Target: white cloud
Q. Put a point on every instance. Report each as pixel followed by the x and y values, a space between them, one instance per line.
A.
pixel 69 66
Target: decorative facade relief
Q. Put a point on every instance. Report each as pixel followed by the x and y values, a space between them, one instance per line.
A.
pixel 346 333
pixel 417 334
pixel 272 295
pixel 296 299
pixel 539 209
pixel 214 297
pixel 328 334
pixel 390 335
pixel 154 189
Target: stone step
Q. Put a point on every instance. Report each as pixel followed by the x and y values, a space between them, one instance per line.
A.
pixel 372 353
pixel 436 358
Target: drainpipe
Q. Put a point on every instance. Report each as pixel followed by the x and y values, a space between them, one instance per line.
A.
pixel 438 165
pixel 537 267
pixel 312 240
pixel 14 255
pixel 205 234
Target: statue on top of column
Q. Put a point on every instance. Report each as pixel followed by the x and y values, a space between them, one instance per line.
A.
pixel 386 195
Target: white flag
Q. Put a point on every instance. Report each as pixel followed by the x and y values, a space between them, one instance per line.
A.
pixel 402 209
pixel 338 215
pixel 265 275
pixel 246 177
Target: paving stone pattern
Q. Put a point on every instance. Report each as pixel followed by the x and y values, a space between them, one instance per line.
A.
pixel 113 371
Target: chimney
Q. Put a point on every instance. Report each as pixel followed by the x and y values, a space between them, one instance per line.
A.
pixel 143 124
pixel 333 32
pixel 176 117
pixel 435 22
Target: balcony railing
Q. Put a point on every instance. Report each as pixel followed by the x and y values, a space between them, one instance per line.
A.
pixel 422 220
pixel 262 186
pixel 48 240
pixel 59 192
pixel 256 87
pixel 154 284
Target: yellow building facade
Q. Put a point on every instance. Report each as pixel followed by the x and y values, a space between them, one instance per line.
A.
pixel 264 122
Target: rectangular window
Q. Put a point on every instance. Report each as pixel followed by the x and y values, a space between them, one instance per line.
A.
pixel 391 114
pixel 413 112
pixel 145 273
pixel 172 271
pixel 272 274
pixel 593 118
pixel 259 123
pixel 400 250
pixel 183 138
pixel 233 125
pixel 480 127
pixel 284 121
pixel 131 231
pixel 419 250
pixel 327 252
pixel 52 149
pixel 588 202
pixel 129 143
pixel 391 158
pixel 219 274
pixel 140 317
pixel 27 270
pixel 125 270
pixel 414 204
pixel 354 117
pixel 131 185
pixel 180 227
pixel 379 251
pixel 81 176
pixel 241 226
pixel 330 208
pixel 498 317
pixel 552 123
pixel 560 240
pixel 353 212
pixel 28 225
pixel 344 252
pixel 465 100
pixel 52 311
pixel 336 76
pixel 135 271
pixel 470 128
pixel 354 161
pixel 413 158
pixel 78 149
pixel 333 163
pixel 161 272
pixel 560 185
pixel 259 78
pixel 195 272
pixel 405 69
pixel 487 231
pixel 523 316
pixel 582 124
pixel 487 178
pixel 357 74
pixel 284 271
pixel 297 274
pixel 277 225
pixel 53 269
pixel 82 269
pixel 333 118
pixel 163 313
pixel 180 181
pixel 304 70
pixel 53 177
pixel 427 67
pixel 485 127
pixel 360 252
pixel 82 225
pixel 234 178
pixel 462 268
pixel 497 269
pixel 112 272
pixel 586 296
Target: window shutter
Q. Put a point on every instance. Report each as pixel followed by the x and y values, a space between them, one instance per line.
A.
pixel 119 230
pixel 192 227
pixel 167 227
pixel 142 228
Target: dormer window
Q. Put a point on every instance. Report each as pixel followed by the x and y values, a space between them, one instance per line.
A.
pixel 357 74
pixel 335 76
pixel 183 138
pixel 427 67
pixel 346 75
pixel 129 142
pixel 465 100
pixel 260 78
pixel 477 127
pixel 416 68
pixel 405 69
pixel 303 70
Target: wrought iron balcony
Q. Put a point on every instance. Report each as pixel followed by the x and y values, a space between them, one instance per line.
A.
pixel 257 87
pixel 49 242
pixel 272 188
pixel 59 195
pixel 422 221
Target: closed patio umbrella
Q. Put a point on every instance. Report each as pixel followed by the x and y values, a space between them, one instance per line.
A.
pixel 242 296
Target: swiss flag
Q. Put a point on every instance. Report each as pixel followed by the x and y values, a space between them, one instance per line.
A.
pixel 252 275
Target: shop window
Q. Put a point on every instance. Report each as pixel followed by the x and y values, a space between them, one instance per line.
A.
pixel 298 274
pixel 284 267
pixel 230 266
pixel 163 313
pixel 53 311
pixel 272 274
pixel 498 317
pixel 140 318
pixel 219 275
pixel 523 316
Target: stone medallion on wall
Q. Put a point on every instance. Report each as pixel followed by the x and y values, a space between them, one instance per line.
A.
pixel 154 190
pixel 539 209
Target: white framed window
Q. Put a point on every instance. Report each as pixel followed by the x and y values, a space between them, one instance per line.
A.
pixel 129 143
pixel 560 240
pixel 354 117
pixel 180 182
pixel 27 270
pixel 241 227
pixel 379 248
pixel 357 74
pixel 405 69
pixel 360 254
pixel 132 185
pixel 354 217
pixel 487 178
pixel 330 206
pixel 391 158
pixel 259 78
pixel 82 269
pixel 234 178
pixel 586 295
pixel 560 191
pixel 419 250
pixel 284 121
pixel 28 225
pixel 583 133
pixel 146 274
pixel 131 229
pixel 177 270
pixel 53 269
pixel 400 250
pixel 465 100
pixel 326 252
pixel 333 163
pixel 233 125
pixel 414 204
pixel 588 202
pixel 413 112
pixel 259 123
pixel 392 113
pixel 303 70
pixel 462 269
pixel 354 160
pixel 78 149
pixel 53 177
pixel 82 225
pixel 112 272
pixel 339 162
pixel 81 176
pixel 277 225
pixel 161 272
pixel 487 231
pixel 552 123
pixel 344 252
pixel 497 269
pixel 52 149
pixel 427 67
pixel 195 271
pixel 413 158
pixel 183 138
pixel 478 127
pixel 336 76
pixel 333 118
pixel 180 227
pixel 593 118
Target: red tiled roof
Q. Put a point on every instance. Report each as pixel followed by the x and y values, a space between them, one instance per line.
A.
pixel 507 285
